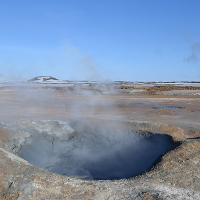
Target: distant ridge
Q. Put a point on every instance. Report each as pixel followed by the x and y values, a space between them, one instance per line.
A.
pixel 43 79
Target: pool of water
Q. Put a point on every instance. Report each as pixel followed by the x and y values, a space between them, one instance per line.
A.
pixel 170 107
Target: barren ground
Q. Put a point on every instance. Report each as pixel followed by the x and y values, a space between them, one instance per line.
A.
pixel 171 109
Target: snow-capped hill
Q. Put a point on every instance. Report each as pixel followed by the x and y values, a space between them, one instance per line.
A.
pixel 40 79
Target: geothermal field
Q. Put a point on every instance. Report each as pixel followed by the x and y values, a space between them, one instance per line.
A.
pixel 99 140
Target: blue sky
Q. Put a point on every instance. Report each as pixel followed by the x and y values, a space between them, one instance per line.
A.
pixel 133 40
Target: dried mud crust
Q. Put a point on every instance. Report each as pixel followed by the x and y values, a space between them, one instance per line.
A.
pixel 162 88
pixel 168 88
pixel 180 168
pixel 177 133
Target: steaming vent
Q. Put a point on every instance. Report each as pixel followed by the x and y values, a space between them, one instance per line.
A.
pixel 90 149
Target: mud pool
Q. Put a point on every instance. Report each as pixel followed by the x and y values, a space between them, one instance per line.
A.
pixel 95 152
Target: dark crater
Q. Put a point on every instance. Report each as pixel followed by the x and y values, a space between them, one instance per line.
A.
pixel 97 153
